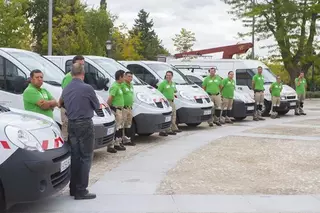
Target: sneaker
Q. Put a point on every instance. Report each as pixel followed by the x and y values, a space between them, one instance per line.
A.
pixel 302 113
pixel 119 148
pixel 87 196
pixel 211 124
pixel 256 119
pixel 129 144
pixel 217 123
pixel 177 131
pixel 163 134
pixel 171 133
pixel 296 114
pixel 126 139
pixel 111 150
pixel 261 118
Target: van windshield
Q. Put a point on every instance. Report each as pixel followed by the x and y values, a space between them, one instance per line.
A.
pixel 111 67
pixel 178 77
pixel 269 77
pixel 51 73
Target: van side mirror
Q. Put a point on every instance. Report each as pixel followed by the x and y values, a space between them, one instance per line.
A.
pixel 154 82
pixel 102 83
pixel 20 84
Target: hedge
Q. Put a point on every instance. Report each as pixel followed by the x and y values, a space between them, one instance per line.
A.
pixel 315 94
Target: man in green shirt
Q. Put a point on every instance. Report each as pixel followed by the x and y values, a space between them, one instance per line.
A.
pixel 37 99
pixel 275 90
pixel 258 87
pixel 227 90
pixel 116 103
pixel 212 85
pixel 66 80
pixel 301 86
pixel 168 89
pixel 127 89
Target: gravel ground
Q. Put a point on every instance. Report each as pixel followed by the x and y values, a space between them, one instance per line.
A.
pixel 307 122
pixel 286 130
pixel 246 165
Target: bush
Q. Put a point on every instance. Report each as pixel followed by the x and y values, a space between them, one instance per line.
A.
pixel 315 94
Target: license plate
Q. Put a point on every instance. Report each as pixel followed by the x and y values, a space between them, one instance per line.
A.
pixel 250 108
pixel 65 164
pixel 292 103
pixel 167 119
pixel 110 131
pixel 207 112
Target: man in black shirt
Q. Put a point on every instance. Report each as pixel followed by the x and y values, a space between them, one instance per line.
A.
pixel 80 100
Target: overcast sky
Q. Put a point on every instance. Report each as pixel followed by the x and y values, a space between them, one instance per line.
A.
pixel 208 19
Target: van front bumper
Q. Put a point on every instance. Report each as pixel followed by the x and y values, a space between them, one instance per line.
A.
pixel 104 134
pixel 241 109
pixel 29 176
pixel 151 123
pixel 287 105
pixel 194 115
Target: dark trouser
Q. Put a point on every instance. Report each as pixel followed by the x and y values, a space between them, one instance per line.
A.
pixel 81 137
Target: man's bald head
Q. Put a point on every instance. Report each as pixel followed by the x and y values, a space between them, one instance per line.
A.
pixel 77 71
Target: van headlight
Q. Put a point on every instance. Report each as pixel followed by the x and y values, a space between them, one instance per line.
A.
pixel 186 96
pixel 283 97
pixel 145 98
pixel 22 139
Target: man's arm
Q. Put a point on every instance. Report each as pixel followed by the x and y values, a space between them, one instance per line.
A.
pixel 204 84
pixel 160 87
pixel 112 93
pixel 52 101
pixel 297 82
pixel 34 97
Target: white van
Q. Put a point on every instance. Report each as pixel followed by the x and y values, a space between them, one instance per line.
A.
pixel 34 160
pixel 243 103
pixel 151 110
pixel 15 68
pixel 193 104
pixel 244 71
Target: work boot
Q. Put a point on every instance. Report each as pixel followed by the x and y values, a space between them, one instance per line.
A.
pixel 163 134
pixel 261 118
pixel 87 196
pixel 211 124
pixel 171 133
pixel 228 120
pixel 118 146
pixel 127 141
pixel 217 123
pixel 177 131
pixel 255 119
pixel 222 120
pixel 111 149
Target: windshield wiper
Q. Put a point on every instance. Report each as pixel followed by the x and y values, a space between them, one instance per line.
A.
pixel 4 109
pixel 54 83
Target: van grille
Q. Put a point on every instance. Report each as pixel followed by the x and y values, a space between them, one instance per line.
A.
pixel 205 117
pixel 109 124
pixel 199 101
pixel 59 179
pixel 291 97
pixel 99 112
pixel 164 125
pixel 60 158
pixel 159 104
pixel 104 140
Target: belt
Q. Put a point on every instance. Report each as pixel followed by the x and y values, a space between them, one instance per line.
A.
pixel 257 90
pixel 127 107
pixel 213 94
pixel 115 108
pixel 170 100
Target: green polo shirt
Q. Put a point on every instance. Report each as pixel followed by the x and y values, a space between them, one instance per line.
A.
pixel 127 90
pixel 66 80
pixel 258 82
pixel 32 95
pixel 301 89
pixel 228 88
pixel 212 84
pixel 167 89
pixel 276 89
pixel 116 92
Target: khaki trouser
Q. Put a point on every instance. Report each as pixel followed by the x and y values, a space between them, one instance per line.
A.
pixel 216 99
pixel 275 101
pixel 299 107
pixel 226 106
pixel 64 124
pixel 127 118
pixel 259 101
pixel 173 125
pixel 119 125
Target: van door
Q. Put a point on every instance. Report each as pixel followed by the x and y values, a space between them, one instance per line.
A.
pixel 244 79
pixel 143 74
pixel 12 84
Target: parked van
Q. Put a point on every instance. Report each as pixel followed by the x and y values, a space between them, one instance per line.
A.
pixel 243 104
pixel 193 104
pixel 34 160
pixel 244 71
pixel 151 110
pixel 15 68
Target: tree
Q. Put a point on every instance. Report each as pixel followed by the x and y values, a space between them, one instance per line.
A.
pixel 68 34
pixel 184 41
pixel 125 45
pixel 14 26
pixel 151 44
pixel 292 23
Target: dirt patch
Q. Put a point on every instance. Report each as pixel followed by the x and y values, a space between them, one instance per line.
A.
pixel 288 130
pixel 246 165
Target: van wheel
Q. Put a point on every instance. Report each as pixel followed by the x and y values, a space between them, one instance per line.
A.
pixel 239 118
pixel 194 124
pixel 283 112
pixel 266 108
pixel 2 199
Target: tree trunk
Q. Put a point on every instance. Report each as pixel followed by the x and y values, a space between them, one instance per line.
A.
pixel 293 71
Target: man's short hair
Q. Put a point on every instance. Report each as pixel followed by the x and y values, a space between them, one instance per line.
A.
pixel 212 68
pixel 34 72
pixel 76 58
pixel 259 67
pixel 230 72
pixel 128 72
pixel 77 69
pixel 119 74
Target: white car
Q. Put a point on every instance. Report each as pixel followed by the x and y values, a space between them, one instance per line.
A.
pixel 34 160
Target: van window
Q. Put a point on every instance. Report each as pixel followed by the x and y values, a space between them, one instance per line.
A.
pixel 138 70
pixel 52 74
pixel 11 77
pixel 195 80
pixel 244 77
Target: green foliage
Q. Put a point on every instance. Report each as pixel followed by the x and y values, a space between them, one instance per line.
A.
pixel 278 69
pixel 151 44
pixel 315 94
pixel 14 25
pixel 292 23
pixel 184 41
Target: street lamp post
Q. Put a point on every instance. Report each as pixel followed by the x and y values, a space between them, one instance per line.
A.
pixel 312 75
pixel 108 47
pixel 50 28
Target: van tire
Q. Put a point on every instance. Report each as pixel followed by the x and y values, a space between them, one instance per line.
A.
pixel 283 112
pixel 267 108
pixel 240 118
pixel 193 124
pixel 2 199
